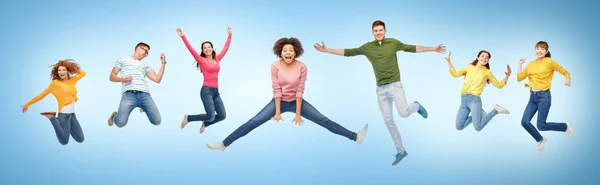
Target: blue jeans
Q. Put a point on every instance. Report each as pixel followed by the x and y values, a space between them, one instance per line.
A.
pixel 65 125
pixel 307 111
pixel 472 104
pixel 540 102
pixel 133 99
pixel 212 103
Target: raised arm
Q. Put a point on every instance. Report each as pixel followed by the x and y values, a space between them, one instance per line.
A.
pixel 339 52
pixel 157 77
pixel 226 47
pixel 495 82
pixel 195 54
pixel 521 74
pixel 80 74
pixel 453 71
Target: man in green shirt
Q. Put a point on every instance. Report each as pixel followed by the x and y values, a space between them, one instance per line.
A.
pixel 382 54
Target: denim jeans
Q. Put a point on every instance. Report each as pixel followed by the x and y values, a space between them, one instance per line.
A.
pixel 540 101
pixel 65 125
pixel 307 111
pixel 472 104
pixel 394 93
pixel 133 99
pixel 213 105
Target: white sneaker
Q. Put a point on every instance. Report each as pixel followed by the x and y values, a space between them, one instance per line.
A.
pixel 361 135
pixel 185 121
pixel 541 146
pixel 501 110
pixel 216 146
pixel 570 131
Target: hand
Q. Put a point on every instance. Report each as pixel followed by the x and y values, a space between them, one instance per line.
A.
pixel 127 79
pixel 319 47
pixel 179 32
pixel 568 84
pixel 298 120
pixel 440 48
pixel 522 61
pixel 24 108
pixel 508 71
pixel 277 118
pixel 163 58
pixel 448 58
pixel 229 30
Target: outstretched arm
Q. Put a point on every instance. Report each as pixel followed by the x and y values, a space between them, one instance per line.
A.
pixel 226 47
pixel 340 52
pixel 495 82
pixel 440 49
pixel 38 97
pixel 158 77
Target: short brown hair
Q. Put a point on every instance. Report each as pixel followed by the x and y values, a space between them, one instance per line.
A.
pixel 378 23
pixel 142 44
pixel 70 64
pixel 278 47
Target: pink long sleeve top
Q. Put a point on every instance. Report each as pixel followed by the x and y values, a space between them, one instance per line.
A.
pixel 210 71
pixel 288 83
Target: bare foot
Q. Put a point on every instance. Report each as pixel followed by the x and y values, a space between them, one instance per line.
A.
pixel 141 110
pixel 202 128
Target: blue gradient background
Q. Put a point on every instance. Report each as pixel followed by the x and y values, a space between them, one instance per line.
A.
pixel 96 33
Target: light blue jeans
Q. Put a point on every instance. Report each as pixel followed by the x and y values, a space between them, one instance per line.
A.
pixel 133 99
pixel 472 104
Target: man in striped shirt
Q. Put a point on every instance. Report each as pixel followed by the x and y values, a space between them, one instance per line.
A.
pixel 133 73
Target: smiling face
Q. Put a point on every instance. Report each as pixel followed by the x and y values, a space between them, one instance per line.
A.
pixel 63 73
pixel 483 58
pixel 288 54
pixel 379 33
pixel 540 52
pixel 207 49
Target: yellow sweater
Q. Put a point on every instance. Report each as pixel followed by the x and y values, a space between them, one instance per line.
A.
pixel 64 91
pixel 540 73
pixel 475 79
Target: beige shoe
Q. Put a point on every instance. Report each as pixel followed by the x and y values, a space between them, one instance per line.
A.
pixel 110 120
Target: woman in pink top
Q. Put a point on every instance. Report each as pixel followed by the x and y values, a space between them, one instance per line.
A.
pixel 209 64
pixel 288 78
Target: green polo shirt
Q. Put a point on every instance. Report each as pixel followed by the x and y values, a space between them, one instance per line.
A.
pixel 383 58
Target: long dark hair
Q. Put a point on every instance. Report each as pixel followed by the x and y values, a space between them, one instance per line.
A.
pixel 203 55
pixel 486 65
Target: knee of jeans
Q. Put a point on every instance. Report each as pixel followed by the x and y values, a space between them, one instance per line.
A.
pixel 403 114
pixel 211 117
pixel 525 123
pixel 541 125
pixel 477 128
pixel 63 141
pixel 156 121
pixel 222 115
pixel 459 127
pixel 120 122
pixel 80 140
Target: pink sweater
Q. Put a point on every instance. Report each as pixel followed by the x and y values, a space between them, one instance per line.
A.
pixel 209 70
pixel 288 83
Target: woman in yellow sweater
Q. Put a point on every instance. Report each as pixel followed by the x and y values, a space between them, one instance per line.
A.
pixel 539 73
pixel 65 75
pixel 476 74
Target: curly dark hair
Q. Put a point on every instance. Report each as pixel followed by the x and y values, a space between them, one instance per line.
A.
pixel 70 64
pixel 278 47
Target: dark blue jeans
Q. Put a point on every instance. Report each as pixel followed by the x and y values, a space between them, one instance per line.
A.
pixel 65 125
pixel 212 104
pixel 307 111
pixel 540 102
